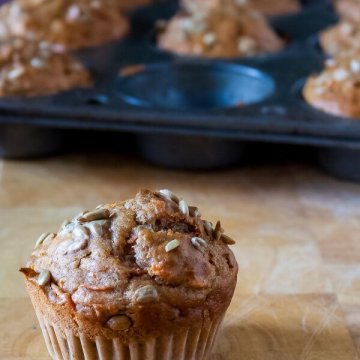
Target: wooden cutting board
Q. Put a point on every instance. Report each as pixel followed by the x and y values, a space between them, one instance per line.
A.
pixel 257 327
pixel 298 291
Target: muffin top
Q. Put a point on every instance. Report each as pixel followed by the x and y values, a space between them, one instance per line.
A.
pixel 337 88
pixel 32 68
pixel 220 32
pixel 137 266
pixel 348 9
pixel 344 36
pixel 68 24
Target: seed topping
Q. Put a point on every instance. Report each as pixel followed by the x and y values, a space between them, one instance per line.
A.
pixel 218 231
pixel 99 214
pixel 15 73
pixel 199 243
pixel 97 227
pixel 355 66
pixel 41 239
pixel 194 211
pixel 44 278
pixel 77 246
pixel 37 63
pixel 146 294
pixel 169 195
pixel 171 245
pixel 340 74
pixel 246 45
pixel 80 232
pixel 184 207
pixel 209 39
pixel 208 227
pixel 227 240
pixel 119 322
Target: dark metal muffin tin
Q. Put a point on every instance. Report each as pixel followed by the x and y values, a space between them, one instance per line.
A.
pixel 193 113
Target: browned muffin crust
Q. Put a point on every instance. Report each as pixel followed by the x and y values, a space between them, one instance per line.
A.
pixel 348 9
pixel 68 24
pixel 133 269
pixel 30 68
pixel 340 38
pixel 337 89
pixel 266 7
pixel 220 32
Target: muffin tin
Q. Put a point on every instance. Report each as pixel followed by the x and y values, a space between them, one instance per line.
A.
pixel 181 106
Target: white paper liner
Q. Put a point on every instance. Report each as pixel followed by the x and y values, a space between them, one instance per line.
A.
pixel 189 344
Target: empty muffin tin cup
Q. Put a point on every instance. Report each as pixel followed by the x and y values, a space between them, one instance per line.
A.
pixel 190 152
pixel 343 163
pixel 20 141
pixel 186 86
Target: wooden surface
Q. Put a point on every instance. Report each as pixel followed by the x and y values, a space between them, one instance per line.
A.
pixel 298 247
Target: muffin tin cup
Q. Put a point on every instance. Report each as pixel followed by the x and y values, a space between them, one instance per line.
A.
pixel 343 163
pixel 190 152
pixel 193 343
pixel 19 141
pixel 183 103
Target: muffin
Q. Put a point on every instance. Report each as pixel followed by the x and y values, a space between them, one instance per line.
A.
pixel 68 24
pixel 336 90
pixel 348 9
pixel 219 33
pixel 140 279
pixel 267 7
pixel 30 68
pixel 343 37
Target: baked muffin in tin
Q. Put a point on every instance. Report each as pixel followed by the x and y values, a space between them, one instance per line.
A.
pixel 340 38
pixel 348 9
pixel 220 32
pixel 336 89
pixel 30 68
pixel 67 24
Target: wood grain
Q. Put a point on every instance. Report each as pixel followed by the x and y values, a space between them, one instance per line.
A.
pixel 298 248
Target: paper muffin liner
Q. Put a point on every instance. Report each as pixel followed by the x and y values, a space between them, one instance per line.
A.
pixel 193 343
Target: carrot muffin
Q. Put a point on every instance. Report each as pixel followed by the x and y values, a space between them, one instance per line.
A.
pixel 142 279
pixel 267 7
pixel 337 89
pixel 348 9
pixel 343 37
pixel 30 68
pixel 66 23
pixel 220 32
